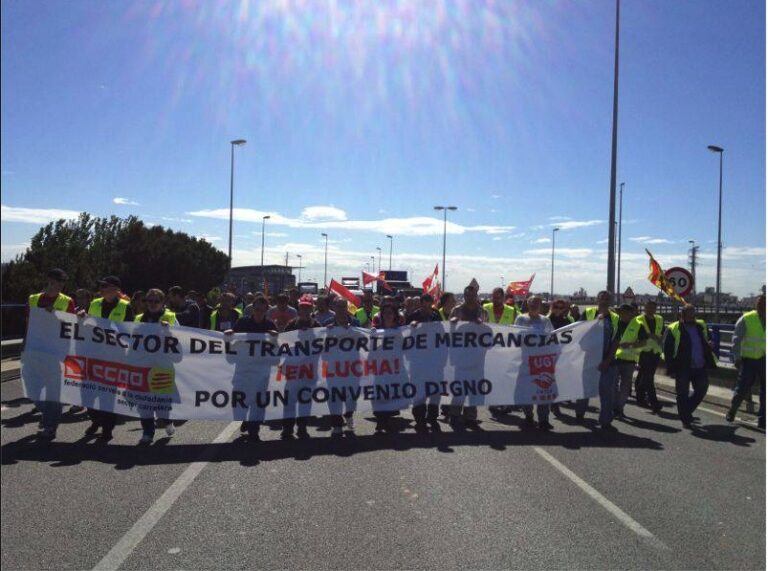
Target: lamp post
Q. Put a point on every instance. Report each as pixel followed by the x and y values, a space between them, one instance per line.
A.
pixel 233 144
pixel 445 210
pixel 716 149
pixel 299 257
pixel 618 268
pixel 391 242
pixel 263 227
pixel 325 265
pixel 552 277
pixel 379 250
pixel 611 286
pixel 694 251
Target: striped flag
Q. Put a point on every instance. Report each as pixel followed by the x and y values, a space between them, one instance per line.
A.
pixel 657 278
pixel 427 283
pixel 341 291
pixel 519 288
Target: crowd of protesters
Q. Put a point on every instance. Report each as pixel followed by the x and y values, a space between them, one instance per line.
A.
pixel 633 345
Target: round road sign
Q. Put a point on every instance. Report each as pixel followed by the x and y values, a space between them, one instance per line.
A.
pixel 681 279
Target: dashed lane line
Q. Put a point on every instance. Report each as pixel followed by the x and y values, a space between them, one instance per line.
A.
pixel 123 548
pixel 604 502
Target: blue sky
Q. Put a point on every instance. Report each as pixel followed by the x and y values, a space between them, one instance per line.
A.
pixel 361 116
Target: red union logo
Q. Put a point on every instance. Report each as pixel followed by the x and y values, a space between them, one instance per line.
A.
pixel 544 383
pixel 542 364
pixel 118 375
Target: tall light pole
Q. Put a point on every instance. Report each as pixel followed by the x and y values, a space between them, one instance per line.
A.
pixel 299 257
pixel 716 149
pixel 611 285
pixel 391 241
pixel 263 227
pixel 379 250
pixel 552 277
pixel 694 251
pixel 233 144
pixel 325 265
pixel 618 266
pixel 445 210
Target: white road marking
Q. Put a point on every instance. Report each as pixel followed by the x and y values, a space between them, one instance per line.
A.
pixel 123 548
pixel 608 505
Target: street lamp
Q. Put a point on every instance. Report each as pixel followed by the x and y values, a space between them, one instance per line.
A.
pixel 325 265
pixel 379 250
pixel 618 268
pixel 263 226
pixel 233 144
pixel 299 257
pixel 391 241
pixel 694 250
pixel 614 142
pixel 445 210
pixel 716 149
pixel 552 278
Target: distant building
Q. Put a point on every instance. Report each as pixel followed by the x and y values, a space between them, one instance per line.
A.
pixel 253 278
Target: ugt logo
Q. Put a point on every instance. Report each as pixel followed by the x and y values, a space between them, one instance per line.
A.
pixel 542 369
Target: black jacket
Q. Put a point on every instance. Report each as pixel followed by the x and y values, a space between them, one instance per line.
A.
pixel 680 363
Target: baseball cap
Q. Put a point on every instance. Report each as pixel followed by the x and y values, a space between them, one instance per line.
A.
pixel 306 299
pixel 113 281
pixel 57 274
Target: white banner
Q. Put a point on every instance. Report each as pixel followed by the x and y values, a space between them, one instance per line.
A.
pixel 182 373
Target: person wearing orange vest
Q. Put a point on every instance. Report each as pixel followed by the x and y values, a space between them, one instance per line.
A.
pixel 749 357
pixel 51 299
pixel 114 306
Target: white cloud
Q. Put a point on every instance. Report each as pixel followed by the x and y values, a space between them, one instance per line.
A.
pixel 9 251
pixel 414 226
pixel 124 201
pixel 496 238
pixel 650 240
pixel 495 196
pixel 323 213
pixel 560 218
pixel 567 252
pixel 35 215
pixel 541 241
pixel 571 224
pixel 209 238
pixel 171 219
pixel 603 241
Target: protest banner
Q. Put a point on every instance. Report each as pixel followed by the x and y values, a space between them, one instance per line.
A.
pixel 140 369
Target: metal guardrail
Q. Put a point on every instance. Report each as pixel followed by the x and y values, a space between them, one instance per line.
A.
pixel 722 338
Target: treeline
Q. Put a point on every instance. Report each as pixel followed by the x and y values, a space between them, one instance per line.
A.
pixel 90 247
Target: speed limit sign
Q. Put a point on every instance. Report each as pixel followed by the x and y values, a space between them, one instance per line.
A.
pixel 681 279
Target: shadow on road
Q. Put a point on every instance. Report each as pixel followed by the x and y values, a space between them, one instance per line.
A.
pixel 252 453
pixel 721 433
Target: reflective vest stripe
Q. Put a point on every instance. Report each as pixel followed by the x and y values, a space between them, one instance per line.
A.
pixel 674 330
pixel 215 317
pixel 167 315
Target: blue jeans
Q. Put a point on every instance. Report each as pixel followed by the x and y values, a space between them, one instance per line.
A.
pixel 687 401
pixel 608 390
pixel 51 412
pixel 751 370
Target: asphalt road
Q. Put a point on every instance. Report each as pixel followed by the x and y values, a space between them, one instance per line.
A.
pixel 654 496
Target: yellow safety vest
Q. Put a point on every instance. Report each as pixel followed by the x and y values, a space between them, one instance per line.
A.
pixel 443 316
pixel 215 317
pixel 61 303
pixel 630 335
pixel 658 327
pixel 591 313
pixel 167 315
pixel 117 314
pixel 362 316
pixel 753 343
pixel 508 316
pixel 674 330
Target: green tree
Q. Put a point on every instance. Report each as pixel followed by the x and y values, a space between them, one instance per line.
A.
pixel 89 247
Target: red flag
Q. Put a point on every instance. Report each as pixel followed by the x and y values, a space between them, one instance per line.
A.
pixel 657 278
pixel 369 278
pixel 341 291
pixel 383 281
pixel 520 288
pixel 427 283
